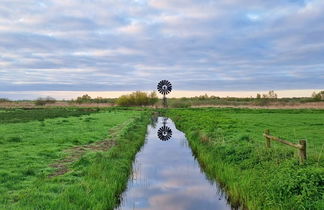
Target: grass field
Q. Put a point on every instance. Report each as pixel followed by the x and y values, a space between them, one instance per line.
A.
pixel 230 146
pixel 67 158
pixel 80 158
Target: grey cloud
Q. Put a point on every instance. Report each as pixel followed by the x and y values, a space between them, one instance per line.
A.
pixel 199 45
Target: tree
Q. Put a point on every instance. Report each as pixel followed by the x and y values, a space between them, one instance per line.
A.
pixel 318 96
pixel 258 96
pixel 2 100
pixel 270 95
pixel 83 99
pixel 153 98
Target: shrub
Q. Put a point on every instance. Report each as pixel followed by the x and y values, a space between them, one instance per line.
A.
pixel 137 98
pixel 44 101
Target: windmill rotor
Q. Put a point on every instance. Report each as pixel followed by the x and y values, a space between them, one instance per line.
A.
pixel 164 133
pixel 164 87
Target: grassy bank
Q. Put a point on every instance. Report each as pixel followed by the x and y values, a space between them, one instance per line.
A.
pixel 230 147
pixel 94 153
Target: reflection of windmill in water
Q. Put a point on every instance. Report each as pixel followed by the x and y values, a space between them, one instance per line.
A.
pixel 164 87
pixel 164 133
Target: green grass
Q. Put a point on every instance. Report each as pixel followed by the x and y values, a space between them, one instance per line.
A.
pixel 230 147
pixel 94 181
pixel 26 115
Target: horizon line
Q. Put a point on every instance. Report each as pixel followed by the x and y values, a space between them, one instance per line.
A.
pixel 68 95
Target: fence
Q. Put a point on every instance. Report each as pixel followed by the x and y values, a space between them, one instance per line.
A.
pixel 301 146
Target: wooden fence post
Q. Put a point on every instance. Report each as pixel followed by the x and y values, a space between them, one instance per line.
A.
pixel 268 142
pixel 302 151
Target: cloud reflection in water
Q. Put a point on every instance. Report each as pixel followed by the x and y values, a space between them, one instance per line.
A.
pixel 166 176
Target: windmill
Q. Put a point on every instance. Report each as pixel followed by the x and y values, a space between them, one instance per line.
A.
pixel 164 133
pixel 164 87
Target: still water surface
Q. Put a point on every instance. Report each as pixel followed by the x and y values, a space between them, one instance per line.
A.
pixel 167 176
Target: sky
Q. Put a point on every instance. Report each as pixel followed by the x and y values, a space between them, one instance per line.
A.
pixel 127 45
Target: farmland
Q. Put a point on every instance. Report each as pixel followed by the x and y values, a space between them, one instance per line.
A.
pixel 230 146
pixel 81 158
pixel 66 158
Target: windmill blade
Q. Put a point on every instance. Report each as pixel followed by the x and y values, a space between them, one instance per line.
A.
pixel 164 87
pixel 164 133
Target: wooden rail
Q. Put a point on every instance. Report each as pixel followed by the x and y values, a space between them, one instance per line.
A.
pixel 301 146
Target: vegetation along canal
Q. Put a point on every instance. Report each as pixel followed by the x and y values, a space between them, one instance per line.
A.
pixel 167 176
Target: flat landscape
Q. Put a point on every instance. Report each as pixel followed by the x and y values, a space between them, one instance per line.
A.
pixel 72 158
pixel 162 105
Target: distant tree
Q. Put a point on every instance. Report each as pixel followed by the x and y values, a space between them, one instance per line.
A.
pixel 318 96
pixel 270 95
pixel 83 99
pixel 203 97
pixel 44 101
pixel 258 96
pixel 2 100
pixel 214 97
pixel 153 98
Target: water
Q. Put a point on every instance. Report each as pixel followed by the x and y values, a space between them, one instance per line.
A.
pixel 167 176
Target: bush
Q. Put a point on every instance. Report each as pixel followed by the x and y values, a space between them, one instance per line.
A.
pixel 137 98
pixel 44 101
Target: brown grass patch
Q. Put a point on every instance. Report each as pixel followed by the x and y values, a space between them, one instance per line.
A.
pixel 75 153
pixel 62 166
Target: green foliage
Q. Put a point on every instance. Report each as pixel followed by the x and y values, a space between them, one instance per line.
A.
pixel 234 153
pixel 137 98
pixel 83 99
pixel 95 181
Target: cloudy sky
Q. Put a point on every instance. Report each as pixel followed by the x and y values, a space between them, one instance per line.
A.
pixel 122 45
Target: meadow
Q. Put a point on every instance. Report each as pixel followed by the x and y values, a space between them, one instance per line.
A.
pixel 81 158
pixel 230 147
pixel 67 158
